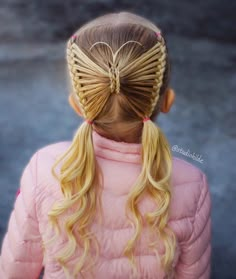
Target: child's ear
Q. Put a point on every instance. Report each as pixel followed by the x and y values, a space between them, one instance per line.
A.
pixel 74 105
pixel 168 100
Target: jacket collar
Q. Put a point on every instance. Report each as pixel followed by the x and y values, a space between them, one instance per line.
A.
pixel 116 151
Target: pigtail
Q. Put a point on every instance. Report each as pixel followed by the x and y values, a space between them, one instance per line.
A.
pixel 154 179
pixel 157 162
pixel 78 179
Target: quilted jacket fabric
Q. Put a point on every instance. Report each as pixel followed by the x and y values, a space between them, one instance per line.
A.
pixel 22 256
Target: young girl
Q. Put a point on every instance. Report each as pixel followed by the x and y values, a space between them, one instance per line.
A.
pixel 116 204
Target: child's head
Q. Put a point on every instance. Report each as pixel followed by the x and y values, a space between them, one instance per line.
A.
pixel 116 79
pixel 120 70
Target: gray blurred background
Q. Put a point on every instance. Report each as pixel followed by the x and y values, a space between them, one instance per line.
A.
pixel 34 109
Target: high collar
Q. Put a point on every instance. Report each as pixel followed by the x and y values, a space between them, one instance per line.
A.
pixel 115 150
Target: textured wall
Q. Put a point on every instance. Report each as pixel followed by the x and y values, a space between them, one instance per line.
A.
pixel 35 111
pixel 57 19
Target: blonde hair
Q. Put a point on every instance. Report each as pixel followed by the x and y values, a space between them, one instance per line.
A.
pixel 138 74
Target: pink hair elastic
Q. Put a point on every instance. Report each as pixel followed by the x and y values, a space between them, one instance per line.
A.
pixel 73 36
pixel 18 192
pixel 90 122
pixel 146 119
pixel 158 34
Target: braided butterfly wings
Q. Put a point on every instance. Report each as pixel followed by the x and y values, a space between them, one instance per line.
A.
pixel 93 84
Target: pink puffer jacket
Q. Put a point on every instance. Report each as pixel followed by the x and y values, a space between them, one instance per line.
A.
pixel 22 256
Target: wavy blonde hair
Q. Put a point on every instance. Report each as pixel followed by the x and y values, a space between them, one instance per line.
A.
pixel 116 90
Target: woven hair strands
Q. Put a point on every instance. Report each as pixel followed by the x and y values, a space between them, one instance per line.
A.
pixel 81 66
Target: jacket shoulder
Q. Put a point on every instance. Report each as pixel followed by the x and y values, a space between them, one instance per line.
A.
pixel 53 149
pixel 185 172
pixel 47 156
pixel 190 186
pixel 47 184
